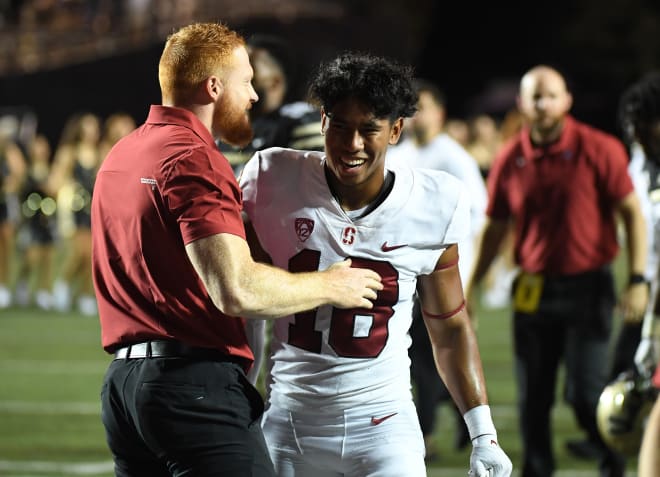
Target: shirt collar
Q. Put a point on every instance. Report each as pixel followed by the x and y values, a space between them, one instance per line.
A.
pixel 181 117
pixel 564 143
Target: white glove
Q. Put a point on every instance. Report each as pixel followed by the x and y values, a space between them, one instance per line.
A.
pixel 488 459
pixel 646 356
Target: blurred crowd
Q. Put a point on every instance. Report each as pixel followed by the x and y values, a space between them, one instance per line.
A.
pixel 45 241
pixel 43 34
pixel 47 34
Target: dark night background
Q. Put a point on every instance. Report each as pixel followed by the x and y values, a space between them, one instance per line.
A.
pixel 475 52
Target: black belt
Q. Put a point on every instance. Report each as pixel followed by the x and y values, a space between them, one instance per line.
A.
pixel 173 349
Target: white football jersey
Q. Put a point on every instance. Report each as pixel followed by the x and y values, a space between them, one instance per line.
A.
pixel 444 153
pixel 333 358
pixel 645 175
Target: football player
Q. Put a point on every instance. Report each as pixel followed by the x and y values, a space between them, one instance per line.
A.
pixel 639 111
pixel 339 393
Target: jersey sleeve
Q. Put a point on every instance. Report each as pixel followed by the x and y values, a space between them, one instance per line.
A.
pixel 248 184
pixel 202 194
pixel 458 229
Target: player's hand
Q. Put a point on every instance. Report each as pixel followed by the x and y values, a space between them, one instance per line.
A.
pixel 353 287
pixel 488 459
pixel 633 302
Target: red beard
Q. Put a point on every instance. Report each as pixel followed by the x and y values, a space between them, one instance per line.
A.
pixel 232 124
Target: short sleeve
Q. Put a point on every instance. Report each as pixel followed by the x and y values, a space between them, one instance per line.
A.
pixel 203 196
pixel 458 229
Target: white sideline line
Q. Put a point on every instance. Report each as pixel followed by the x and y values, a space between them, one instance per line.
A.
pixel 67 468
pixel 37 366
pixel 22 407
pixel 500 412
pixel 96 468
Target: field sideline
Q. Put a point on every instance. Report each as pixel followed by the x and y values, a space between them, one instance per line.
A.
pixel 51 367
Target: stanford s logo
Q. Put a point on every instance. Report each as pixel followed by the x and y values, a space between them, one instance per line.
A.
pixel 304 228
pixel 348 235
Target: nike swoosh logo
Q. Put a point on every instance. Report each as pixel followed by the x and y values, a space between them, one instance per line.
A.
pixel 377 420
pixel 389 248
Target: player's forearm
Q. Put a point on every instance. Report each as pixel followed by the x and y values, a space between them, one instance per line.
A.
pixel 490 243
pixel 458 361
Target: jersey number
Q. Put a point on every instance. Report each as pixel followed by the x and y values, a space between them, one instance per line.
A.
pixel 303 334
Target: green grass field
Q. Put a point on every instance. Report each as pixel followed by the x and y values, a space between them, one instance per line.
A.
pixel 51 367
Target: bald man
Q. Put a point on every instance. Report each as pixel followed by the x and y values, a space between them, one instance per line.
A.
pixel 561 184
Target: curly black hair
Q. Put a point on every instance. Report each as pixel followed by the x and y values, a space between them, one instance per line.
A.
pixel 639 105
pixel 383 85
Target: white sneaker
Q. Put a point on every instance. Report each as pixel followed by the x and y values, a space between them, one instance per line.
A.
pixel 87 305
pixel 22 293
pixel 43 299
pixel 61 296
pixel 5 297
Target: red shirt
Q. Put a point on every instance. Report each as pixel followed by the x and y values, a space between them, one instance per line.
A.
pixel 161 187
pixel 562 198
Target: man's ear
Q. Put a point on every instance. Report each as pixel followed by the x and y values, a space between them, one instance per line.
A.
pixel 214 87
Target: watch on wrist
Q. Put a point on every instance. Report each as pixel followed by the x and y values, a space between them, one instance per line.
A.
pixel 636 278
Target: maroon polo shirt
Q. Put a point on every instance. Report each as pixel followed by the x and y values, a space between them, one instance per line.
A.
pixel 562 198
pixel 161 187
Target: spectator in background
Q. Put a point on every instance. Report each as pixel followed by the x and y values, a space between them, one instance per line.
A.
pixel 73 173
pixel 12 175
pixel 427 145
pixel 276 122
pixel 561 183
pixel 36 237
pixel 115 127
pixel 459 130
pixel 484 141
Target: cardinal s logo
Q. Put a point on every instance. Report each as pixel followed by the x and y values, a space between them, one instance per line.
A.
pixel 348 235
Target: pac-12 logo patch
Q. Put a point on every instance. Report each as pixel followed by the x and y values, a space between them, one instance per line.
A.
pixel 304 228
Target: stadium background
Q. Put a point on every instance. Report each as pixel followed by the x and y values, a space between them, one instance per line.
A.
pixel 477 54
pixel 51 364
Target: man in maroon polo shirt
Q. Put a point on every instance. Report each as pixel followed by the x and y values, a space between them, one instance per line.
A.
pixel 173 273
pixel 560 183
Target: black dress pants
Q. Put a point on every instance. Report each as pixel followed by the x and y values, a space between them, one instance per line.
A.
pixel 183 417
pixel 571 323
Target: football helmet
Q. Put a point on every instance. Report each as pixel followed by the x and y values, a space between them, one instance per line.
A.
pixel 623 408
